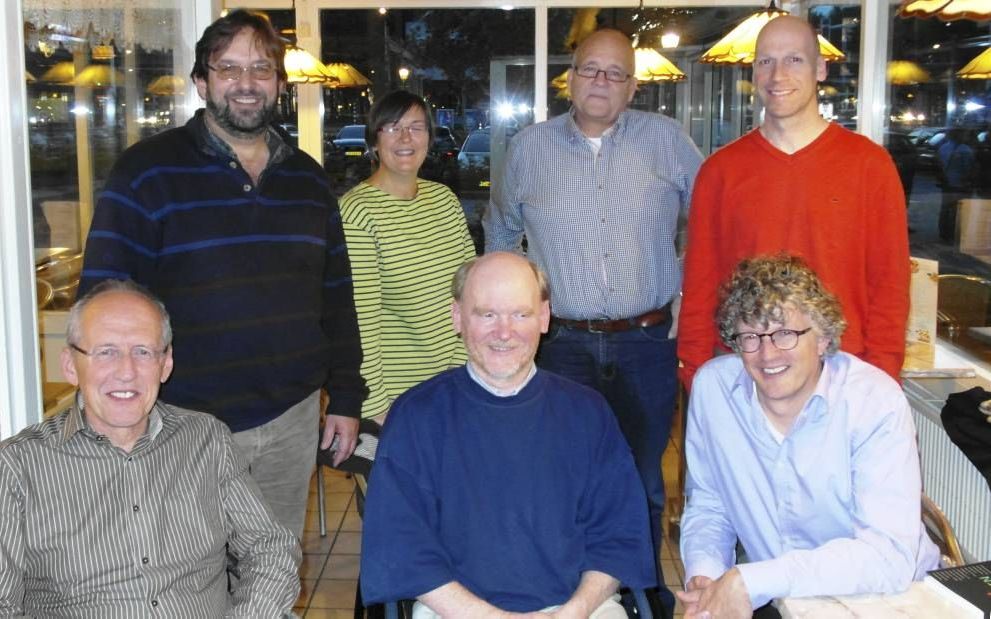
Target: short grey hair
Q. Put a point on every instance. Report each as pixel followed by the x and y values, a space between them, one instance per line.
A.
pixel 72 331
pixel 461 278
pixel 758 289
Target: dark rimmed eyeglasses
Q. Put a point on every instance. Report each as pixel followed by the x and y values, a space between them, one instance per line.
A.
pixel 591 72
pixel 783 339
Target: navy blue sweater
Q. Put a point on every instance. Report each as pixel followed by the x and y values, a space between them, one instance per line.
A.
pixel 256 277
pixel 512 497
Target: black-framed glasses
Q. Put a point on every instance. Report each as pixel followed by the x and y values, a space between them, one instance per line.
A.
pixel 783 339
pixel 591 72
pixel 110 355
pixel 260 71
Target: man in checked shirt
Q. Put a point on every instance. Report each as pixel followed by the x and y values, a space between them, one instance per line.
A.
pixel 124 506
pixel 598 193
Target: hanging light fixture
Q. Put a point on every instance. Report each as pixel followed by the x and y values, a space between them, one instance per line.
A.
pixel 906 73
pixel 979 68
pixel 738 47
pixel 946 10
pixel 651 66
pixel 303 68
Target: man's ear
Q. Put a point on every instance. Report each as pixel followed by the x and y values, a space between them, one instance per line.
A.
pixel 69 367
pixel 456 316
pixel 200 87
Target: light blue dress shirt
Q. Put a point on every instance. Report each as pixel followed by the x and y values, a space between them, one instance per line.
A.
pixel 602 225
pixel 832 510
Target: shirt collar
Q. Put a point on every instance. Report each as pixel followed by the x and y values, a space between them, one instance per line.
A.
pixel 501 393
pixel 814 408
pixel 75 423
pixel 614 132
pixel 213 145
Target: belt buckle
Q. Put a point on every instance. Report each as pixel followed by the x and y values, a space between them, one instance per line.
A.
pixel 591 329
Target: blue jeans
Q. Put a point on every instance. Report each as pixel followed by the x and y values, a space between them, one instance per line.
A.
pixel 636 372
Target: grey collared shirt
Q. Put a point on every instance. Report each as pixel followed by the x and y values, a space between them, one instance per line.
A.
pixel 603 225
pixel 89 530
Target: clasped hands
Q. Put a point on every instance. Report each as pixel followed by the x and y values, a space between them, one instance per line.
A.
pixel 723 598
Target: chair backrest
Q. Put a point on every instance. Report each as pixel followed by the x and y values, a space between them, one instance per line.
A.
pixel 941 533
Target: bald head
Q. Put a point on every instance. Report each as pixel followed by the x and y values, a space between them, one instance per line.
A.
pixel 794 28
pixel 498 261
pixel 612 39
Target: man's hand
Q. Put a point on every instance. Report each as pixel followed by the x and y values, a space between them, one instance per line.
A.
pixel 693 593
pixel 725 598
pixel 346 429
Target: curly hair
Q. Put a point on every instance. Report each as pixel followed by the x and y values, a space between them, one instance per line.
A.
pixel 760 287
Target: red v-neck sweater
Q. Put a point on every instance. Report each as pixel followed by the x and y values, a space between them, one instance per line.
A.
pixel 837 202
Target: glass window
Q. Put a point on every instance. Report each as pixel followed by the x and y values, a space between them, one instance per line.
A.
pixel 938 128
pixel 98 80
pixel 474 67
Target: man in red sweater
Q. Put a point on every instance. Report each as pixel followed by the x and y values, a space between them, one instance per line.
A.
pixel 801 185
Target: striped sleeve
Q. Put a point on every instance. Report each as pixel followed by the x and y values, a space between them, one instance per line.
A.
pixel 11 542
pixel 362 250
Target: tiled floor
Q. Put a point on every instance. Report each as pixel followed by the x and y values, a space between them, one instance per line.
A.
pixel 330 564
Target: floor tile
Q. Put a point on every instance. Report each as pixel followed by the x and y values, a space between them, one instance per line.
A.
pixel 341 566
pixel 329 613
pixel 348 542
pixel 312 543
pixel 333 594
pixel 306 585
pixel 312 565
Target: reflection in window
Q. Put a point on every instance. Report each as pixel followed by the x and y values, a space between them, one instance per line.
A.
pixel 98 80
pixel 938 133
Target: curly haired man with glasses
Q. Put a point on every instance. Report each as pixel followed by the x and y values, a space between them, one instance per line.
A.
pixel 805 455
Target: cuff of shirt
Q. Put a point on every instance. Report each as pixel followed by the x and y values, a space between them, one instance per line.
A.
pixel 765 581
pixel 707 566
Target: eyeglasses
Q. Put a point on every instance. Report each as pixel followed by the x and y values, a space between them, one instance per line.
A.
pixel 591 72
pixel 395 129
pixel 783 339
pixel 110 355
pixel 260 71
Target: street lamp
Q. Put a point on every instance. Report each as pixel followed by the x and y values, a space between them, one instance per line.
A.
pixel 403 75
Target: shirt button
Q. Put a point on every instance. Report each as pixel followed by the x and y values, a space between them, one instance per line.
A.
pixel 233 165
pixel 606 255
pixel 144 560
pixel 154 603
pixel 603 220
pixel 247 187
pixel 135 508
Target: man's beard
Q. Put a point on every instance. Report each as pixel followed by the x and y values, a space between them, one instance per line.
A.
pixel 245 125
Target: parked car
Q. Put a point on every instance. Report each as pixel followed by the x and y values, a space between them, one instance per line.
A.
pixel 441 164
pixel 347 160
pixel 473 163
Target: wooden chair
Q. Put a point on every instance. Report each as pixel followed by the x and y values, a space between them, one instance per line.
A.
pixel 941 533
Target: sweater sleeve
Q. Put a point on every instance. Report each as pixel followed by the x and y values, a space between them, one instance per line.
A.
pixel 339 320
pixel 613 513
pixel 697 336
pixel 888 269
pixel 401 554
pixel 363 252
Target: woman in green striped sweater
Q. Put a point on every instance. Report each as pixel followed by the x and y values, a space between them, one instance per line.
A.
pixel 406 237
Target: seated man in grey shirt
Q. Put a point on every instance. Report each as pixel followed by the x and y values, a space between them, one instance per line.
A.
pixel 125 506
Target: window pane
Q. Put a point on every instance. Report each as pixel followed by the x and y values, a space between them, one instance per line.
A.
pixel 474 67
pixel 98 81
pixel 938 137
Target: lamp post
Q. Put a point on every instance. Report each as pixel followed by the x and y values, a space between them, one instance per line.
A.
pixel 403 76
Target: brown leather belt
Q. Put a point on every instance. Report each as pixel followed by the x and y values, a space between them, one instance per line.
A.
pixel 647 319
